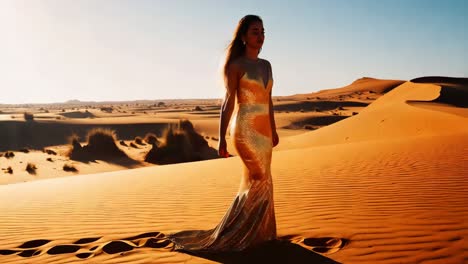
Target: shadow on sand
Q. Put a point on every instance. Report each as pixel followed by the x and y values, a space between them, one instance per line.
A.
pixel 454 91
pixel 278 251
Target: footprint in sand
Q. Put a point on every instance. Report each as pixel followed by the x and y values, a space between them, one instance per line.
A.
pixel 323 245
pixel 89 246
pixel 27 249
pixel 86 248
pixel 150 240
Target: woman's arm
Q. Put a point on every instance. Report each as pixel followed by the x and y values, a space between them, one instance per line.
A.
pixel 227 107
pixel 274 134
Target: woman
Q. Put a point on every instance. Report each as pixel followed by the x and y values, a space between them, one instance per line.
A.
pixel 251 218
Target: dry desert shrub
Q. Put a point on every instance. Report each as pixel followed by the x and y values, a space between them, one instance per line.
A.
pixel 24 150
pixel 180 143
pixel 50 152
pixel 100 145
pixel 107 109
pixel 9 154
pixel 69 167
pixel 28 116
pixel 31 168
pixel 9 170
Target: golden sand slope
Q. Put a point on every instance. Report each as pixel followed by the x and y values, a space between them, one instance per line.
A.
pixel 361 86
pixel 391 116
pixel 396 201
pixel 391 194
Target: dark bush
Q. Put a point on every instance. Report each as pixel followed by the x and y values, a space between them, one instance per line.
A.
pixel 69 167
pixel 28 116
pixel 180 143
pixel 100 145
pixel 50 152
pixel 24 150
pixel 31 168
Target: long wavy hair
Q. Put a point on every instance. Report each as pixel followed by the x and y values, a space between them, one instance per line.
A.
pixel 236 48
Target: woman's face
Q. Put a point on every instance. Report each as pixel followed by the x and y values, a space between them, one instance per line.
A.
pixel 255 35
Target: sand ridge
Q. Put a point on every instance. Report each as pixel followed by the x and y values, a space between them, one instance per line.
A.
pixel 389 116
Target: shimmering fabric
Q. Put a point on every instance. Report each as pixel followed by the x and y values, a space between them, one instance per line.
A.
pixel 251 218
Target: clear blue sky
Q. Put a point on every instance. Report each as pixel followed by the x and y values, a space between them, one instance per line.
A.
pixel 56 50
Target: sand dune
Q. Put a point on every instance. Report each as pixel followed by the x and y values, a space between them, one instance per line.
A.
pixel 364 85
pixel 316 110
pixel 384 186
pixel 390 116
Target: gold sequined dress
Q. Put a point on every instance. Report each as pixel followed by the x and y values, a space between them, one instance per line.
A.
pixel 250 219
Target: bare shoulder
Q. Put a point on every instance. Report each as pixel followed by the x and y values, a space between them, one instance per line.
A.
pixel 266 63
pixel 235 66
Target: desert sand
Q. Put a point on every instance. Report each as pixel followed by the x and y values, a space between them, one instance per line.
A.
pixel 373 172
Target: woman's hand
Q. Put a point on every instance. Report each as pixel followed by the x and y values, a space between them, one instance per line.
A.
pixel 222 148
pixel 275 138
